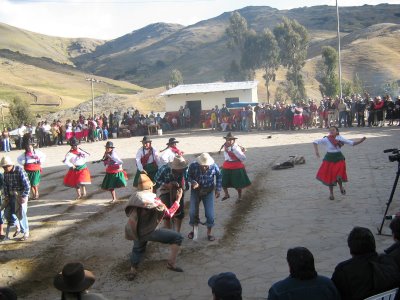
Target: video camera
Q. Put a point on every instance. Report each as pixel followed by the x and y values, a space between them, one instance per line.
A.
pixel 395 154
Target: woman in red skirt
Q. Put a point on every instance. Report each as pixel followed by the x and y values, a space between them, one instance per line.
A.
pixel 78 175
pixel 333 167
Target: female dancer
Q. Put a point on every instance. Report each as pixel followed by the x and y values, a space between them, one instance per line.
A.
pixel 333 167
pixel 115 175
pixel 147 160
pixel 32 161
pixel 233 170
pixel 78 175
pixel 168 154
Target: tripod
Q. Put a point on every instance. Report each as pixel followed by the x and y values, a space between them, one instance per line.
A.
pixel 391 196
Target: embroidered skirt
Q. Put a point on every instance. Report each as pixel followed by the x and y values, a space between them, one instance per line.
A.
pixel 332 169
pixel 34 177
pixel 114 180
pixel 77 177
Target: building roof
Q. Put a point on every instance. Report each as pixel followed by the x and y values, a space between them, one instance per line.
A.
pixel 210 87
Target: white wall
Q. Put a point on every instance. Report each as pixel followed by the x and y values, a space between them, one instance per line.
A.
pixel 209 100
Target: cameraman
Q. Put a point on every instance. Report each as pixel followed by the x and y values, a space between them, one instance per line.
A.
pixel 170 178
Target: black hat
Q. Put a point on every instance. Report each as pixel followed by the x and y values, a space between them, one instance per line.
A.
pixel 109 145
pixel 224 285
pixel 146 139
pixel 230 136
pixel 73 142
pixel 73 278
pixel 172 141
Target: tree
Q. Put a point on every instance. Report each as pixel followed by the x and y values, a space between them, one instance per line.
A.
pixel 236 31
pixel 20 113
pixel 329 79
pixel 175 78
pixel 261 51
pixel 293 40
pixel 235 73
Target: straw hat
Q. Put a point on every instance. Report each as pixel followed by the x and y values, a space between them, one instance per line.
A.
pixel 144 182
pixel 205 159
pixel 178 163
pixel 73 278
pixel 6 161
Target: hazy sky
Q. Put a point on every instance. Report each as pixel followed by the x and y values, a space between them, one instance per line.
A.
pixel 108 19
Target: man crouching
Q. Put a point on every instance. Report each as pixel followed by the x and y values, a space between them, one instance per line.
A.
pixel 145 212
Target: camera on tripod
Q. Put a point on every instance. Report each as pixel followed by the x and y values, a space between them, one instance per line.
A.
pixel 395 154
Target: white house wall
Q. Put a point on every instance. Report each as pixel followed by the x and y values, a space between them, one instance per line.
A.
pixel 209 100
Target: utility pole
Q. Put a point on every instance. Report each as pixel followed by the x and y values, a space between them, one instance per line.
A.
pixel 339 56
pixel 92 80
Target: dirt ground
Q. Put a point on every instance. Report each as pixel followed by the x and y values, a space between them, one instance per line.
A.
pixel 281 209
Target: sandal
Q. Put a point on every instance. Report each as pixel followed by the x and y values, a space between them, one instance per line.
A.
pixel 191 235
pixel 210 238
pixel 331 197
pixel 225 197
pixel 16 233
pixel 172 268
pixel 343 191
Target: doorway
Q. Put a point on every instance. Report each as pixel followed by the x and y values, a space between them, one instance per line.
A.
pixel 195 112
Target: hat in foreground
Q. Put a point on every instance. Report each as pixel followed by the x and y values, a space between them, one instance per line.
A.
pixel 224 285
pixel 205 159
pixel 230 136
pixel 178 163
pixel 144 182
pixel 6 161
pixel 73 278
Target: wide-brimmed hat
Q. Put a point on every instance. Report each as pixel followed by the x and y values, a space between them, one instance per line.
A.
pixel 6 161
pixel 109 145
pixel 178 163
pixel 172 141
pixel 144 182
pixel 225 285
pixel 230 136
pixel 146 139
pixel 205 159
pixel 73 142
pixel 73 278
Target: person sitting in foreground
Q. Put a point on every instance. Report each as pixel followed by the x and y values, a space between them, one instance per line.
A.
pixel 366 273
pixel 74 282
pixel 394 250
pixel 225 286
pixel 303 282
pixel 145 212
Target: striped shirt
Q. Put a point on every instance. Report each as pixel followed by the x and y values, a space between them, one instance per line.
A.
pixel 16 180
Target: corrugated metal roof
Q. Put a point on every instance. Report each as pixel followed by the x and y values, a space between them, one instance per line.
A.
pixel 210 87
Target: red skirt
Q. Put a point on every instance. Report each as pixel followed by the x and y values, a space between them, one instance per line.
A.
pixel 79 135
pixel 330 172
pixel 76 178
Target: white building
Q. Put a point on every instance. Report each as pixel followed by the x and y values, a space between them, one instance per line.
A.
pixel 204 96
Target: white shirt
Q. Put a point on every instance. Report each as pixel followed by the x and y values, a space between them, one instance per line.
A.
pixel 237 151
pixel 167 156
pixel 329 146
pixel 115 158
pixel 76 160
pixel 142 152
pixel 27 159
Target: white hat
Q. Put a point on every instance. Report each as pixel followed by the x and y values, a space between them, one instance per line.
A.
pixel 6 161
pixel 205 159
pixel 178 163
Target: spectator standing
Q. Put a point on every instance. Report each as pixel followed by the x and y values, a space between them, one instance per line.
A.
pixel 304 281
pixel 6 140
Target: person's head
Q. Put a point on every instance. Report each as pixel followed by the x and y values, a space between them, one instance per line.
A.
pixel 29 147
pixel 7 293
pixel 109 147
pixel 333 130
pixel 301 263
pixel 7 164
pixel 172 142
pixel 145 183
pixel 230 139
pixel 178 165
pixel 395 227
pixel 225 286
pixel 205 161
pixel 361 241
pixel 146 142
pixel 73 278
pixel 73 143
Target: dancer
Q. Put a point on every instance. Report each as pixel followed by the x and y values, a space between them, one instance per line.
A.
pixel 168 154
pixel 115 175
pixel 145 211
pixel 147 160
pixel 32 161
pixel 333 167
pixel 205 179
pixel 78 175
pixel 233 170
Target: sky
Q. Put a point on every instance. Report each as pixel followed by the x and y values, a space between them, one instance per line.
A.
pixel 109 19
